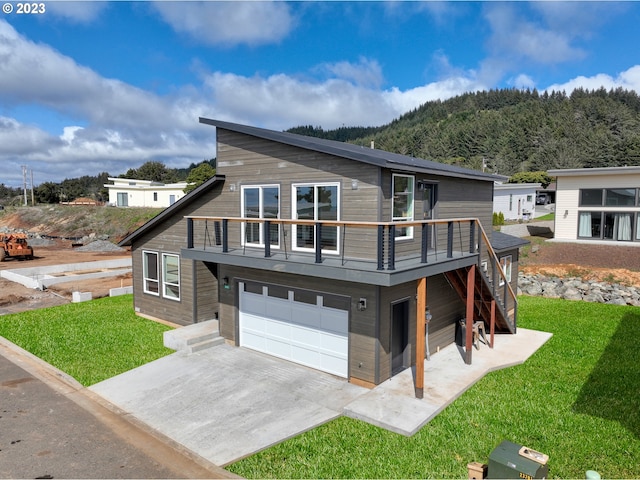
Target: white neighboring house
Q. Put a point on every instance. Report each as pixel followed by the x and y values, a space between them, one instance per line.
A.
pixel 517 201
pixel 127 192
pixel 598 204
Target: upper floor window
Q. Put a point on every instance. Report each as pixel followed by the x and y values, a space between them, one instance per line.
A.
pixel 608 197
pixel 402 206
pixel 316 202
pixel 263 202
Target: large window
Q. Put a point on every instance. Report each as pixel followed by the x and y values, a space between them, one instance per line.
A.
pixel 402 206
pixel 171 276
pixel 316 202
pixel 608 197
pixel 122 199
pixel 261 202
pixel 150 272
pixel 617 226
pixel 589 224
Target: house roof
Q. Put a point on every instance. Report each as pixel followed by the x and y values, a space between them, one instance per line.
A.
pixel 573 172
pixel 358 153
pixel 516 186
pixel 169 211
pixel 503 241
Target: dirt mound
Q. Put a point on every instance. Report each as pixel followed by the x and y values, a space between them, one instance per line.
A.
pixel 11 299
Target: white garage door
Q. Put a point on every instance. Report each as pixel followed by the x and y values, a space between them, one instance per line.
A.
pixel 313 335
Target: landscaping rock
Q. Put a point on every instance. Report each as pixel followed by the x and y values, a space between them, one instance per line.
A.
pixel 578 289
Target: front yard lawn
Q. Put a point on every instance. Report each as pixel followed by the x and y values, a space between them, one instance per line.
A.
pixel 91 341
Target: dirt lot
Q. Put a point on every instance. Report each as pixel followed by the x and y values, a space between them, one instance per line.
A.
pixel 608 263
pixel 16 298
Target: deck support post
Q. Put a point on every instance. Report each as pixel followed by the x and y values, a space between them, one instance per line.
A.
pixel 471 276
pixel 421 308
pixel 492 324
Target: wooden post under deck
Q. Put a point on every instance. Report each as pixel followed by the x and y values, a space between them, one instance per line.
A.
pixel 421 307
pixel 492 326
pixel 471 276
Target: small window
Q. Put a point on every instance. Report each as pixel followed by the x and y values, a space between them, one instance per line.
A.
pixel 155 196
pixel 150 268
pixel 591 197
pixel 171 276
pixel 529 198
pixel 505 264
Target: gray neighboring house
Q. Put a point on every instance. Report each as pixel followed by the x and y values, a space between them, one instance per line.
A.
pixel 329 254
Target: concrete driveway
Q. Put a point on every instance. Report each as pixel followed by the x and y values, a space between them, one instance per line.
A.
pixel 226 403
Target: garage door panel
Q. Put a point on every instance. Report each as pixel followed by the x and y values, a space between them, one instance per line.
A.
pixel 333 321
pixel 303 314
pixel 278 347
pixel 252 303
pixel 278 308
pixel 277 329
pixel 334 343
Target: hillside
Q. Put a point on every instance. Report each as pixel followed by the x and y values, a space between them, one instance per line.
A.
pixel 76 221
pixel 509 131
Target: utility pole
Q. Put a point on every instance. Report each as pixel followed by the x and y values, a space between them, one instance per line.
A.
pixel 33 199
pixel 24 183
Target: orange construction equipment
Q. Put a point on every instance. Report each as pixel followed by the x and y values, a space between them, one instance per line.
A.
pixel 15 245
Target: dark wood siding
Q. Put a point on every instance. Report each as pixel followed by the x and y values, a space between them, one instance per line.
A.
pixel 170 237
pixel 446 309
pixel 207 302
pixel 246 160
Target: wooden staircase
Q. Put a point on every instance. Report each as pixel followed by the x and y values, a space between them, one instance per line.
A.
pixel 485 293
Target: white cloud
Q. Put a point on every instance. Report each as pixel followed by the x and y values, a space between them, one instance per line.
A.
pixel 366 73
pixel 229 23
pixel 628 80
pixel 76 12
pixel 525 40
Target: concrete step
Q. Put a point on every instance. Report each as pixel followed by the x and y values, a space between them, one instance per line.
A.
pixel 193 338
pixel 197 347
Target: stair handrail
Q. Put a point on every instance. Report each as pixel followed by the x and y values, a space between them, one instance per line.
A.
pixel 495 258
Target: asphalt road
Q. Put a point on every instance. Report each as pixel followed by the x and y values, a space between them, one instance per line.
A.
pixel 50 427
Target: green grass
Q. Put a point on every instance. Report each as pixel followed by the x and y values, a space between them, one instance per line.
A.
pixel 548 216
pixel 91 341
pixel 577 400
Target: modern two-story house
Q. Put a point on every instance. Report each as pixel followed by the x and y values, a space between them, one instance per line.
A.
pixel 346 259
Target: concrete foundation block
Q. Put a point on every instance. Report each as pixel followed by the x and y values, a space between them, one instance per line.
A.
pixel 81 297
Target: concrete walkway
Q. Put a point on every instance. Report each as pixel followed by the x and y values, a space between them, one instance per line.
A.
pixel 226 403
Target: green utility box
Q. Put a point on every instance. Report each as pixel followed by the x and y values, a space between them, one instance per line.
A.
pixel 510 460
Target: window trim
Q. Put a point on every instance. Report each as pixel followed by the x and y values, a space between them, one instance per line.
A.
pixel 145 277
pixel 166 283
pixel 260 188
pixel 294 215
pixel 410 208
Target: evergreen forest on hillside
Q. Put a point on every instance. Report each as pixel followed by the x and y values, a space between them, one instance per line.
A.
pixel 512 130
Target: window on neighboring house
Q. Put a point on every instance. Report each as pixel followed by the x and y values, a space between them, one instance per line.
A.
pixel 150 272
pixel 171 276
pixel 510 203
pixel 316 202
pixel 620 197
pixel 617 226
pixel 591 197
pixel 261 202
pixel 529 198
pixel 589 224
pixel 123 199
pixel 155 196
pixel 402 203
pixel 505 264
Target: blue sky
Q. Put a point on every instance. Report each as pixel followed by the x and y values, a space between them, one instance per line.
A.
pixel 89 87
